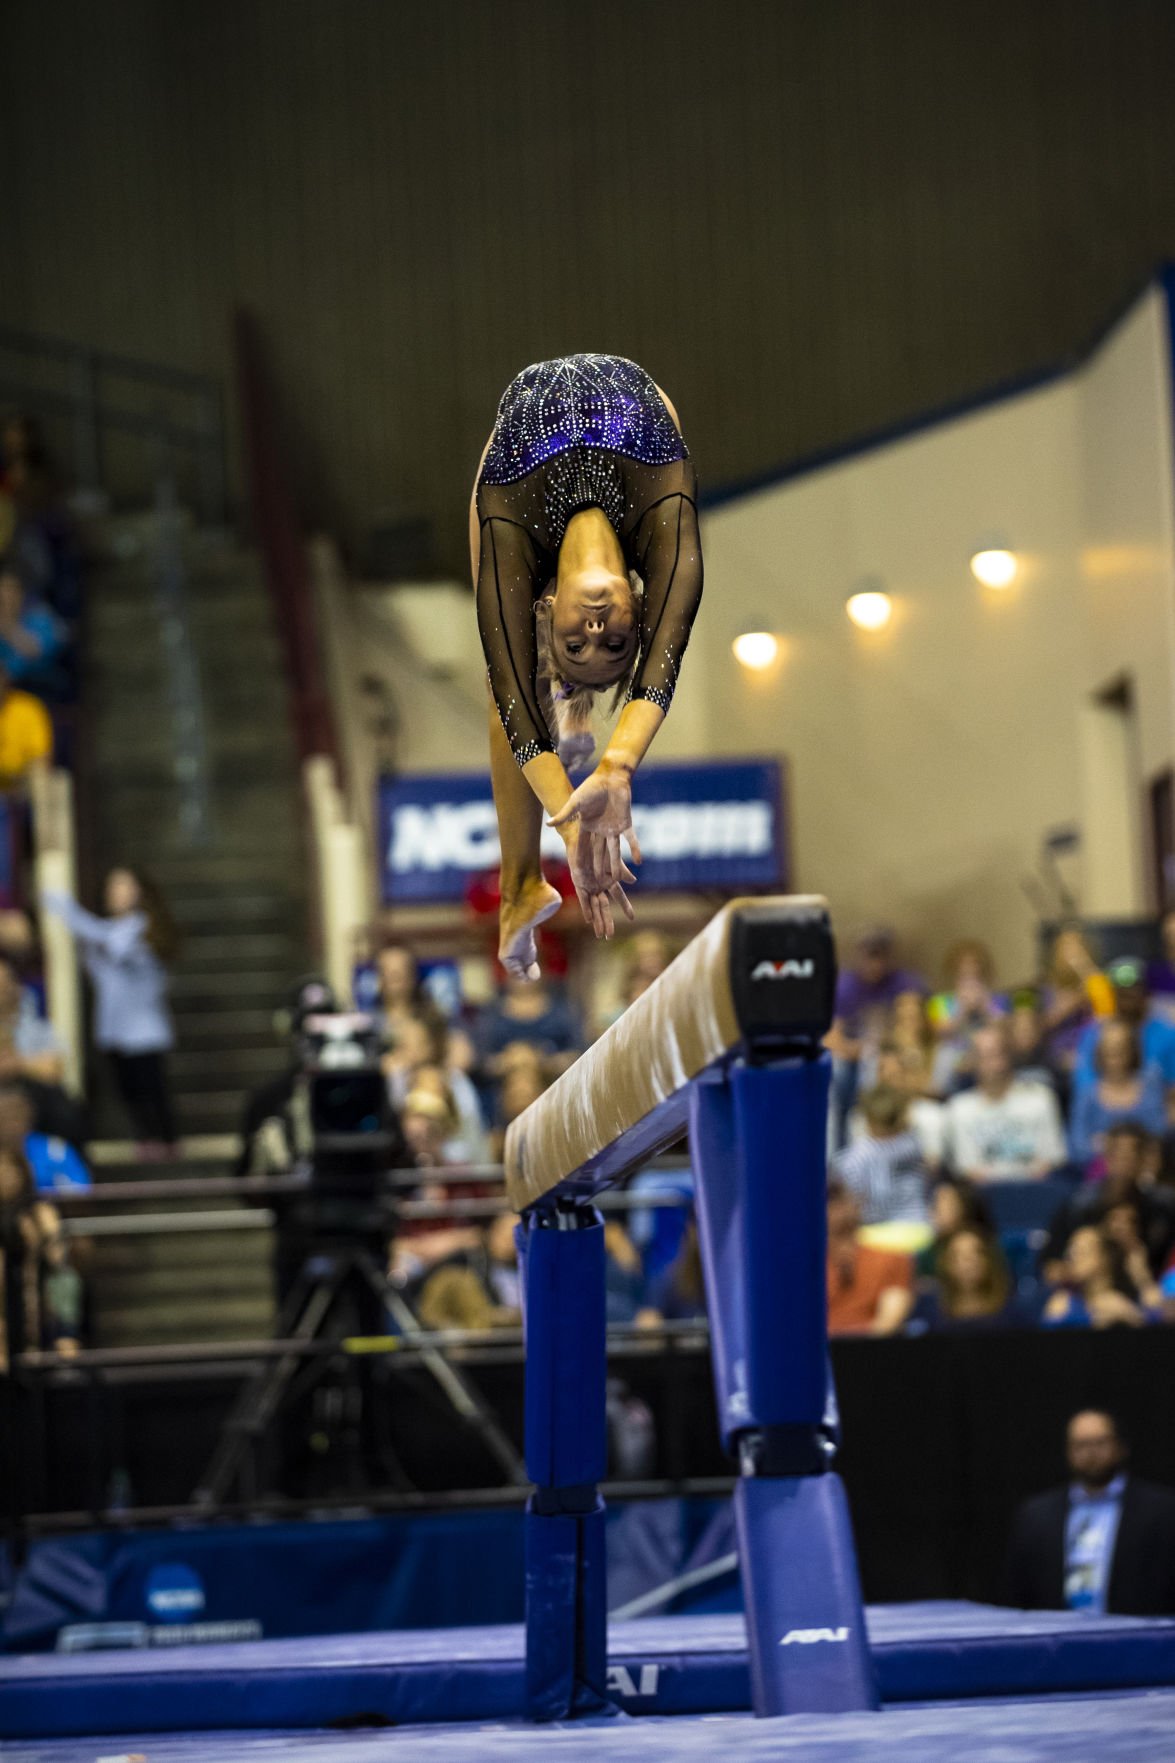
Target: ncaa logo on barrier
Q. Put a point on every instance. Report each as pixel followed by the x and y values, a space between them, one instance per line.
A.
pixel 174 1592
pixel 720 825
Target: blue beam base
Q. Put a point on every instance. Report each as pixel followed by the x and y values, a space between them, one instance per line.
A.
pixel 809 1651
pixel 561 1250
pixel 566 1614
pixel 758 1133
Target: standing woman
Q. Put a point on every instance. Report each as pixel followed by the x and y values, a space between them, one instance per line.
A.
pixel 125 954
pixel 585 484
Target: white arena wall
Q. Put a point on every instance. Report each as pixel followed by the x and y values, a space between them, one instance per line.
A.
pixel 930 760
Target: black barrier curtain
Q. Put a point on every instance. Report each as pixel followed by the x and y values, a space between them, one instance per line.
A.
pixel 943 1436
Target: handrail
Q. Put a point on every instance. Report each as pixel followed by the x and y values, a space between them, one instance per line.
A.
pixel 624 1338
pixel 185 695
pixel 131 367
pixel 55 870
pixel 201 431
pixel 283 547
pixel 274 1187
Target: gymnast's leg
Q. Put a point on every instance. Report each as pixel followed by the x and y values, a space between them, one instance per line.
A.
pixel 527 900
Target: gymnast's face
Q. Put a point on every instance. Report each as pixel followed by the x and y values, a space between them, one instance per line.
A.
pixel 593 626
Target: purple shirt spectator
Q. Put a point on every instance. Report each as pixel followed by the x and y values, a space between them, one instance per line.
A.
pixel 860 1002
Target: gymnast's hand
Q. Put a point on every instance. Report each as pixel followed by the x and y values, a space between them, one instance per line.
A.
pixel 603 807
pixel 596 898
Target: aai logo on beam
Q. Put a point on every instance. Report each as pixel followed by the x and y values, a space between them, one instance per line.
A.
pixel 810 1637
pixel 716 825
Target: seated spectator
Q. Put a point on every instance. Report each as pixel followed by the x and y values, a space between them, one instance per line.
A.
pixel 955 1204
pixel 1122 1090
pixel 1104 1542
pixel 624 1277
pixel 646 956
pixel 421 1044
pixel 26 734
pixel 1122 1225
pixel 32 639
pixel 1097 1291
pixel 898 1070
pixel 927 1063
pixel 1004 1129
pixel 522 1083
pixel 1131 1006
pixel 476 1288
pixel 42 1306
pixel 1074 992
pixel 55 1161
pixel 886 1170
pixel 678 1292
pixel 865 992
pixel 1160 974
pixel 40 533
pixel 969 1000
pixel 1026 1037
pixel 531 1012
pixel 972 1286
pixel 870 1291
pixel 1130 1161
pixel 29 1046
pixel 432 1127
pixel 400 995
pixel 468 1143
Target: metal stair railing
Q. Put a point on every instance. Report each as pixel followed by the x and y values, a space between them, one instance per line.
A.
pixel 99 393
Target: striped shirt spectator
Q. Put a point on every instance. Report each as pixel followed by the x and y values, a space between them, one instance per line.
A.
pixel 886 1171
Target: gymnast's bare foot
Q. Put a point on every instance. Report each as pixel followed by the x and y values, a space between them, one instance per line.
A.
pixel 519 917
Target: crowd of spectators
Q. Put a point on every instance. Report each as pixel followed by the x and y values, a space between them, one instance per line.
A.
pixel 998 1157
pixel 1003 1157
pixel 40 607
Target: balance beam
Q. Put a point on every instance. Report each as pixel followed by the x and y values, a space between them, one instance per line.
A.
pixel 755 979
pixel 727 1042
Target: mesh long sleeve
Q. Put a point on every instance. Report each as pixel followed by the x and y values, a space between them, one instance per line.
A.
pixel 507 573
pixel 668 555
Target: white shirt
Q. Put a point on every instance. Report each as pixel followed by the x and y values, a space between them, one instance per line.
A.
pixel 1013 1139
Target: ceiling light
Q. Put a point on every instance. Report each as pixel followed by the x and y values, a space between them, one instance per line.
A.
pixel 994 567
pixel 870 610
pixel 756 649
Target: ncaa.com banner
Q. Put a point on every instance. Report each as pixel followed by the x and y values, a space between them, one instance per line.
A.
pixel 717 825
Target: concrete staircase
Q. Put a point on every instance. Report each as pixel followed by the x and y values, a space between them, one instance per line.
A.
pixel 240 897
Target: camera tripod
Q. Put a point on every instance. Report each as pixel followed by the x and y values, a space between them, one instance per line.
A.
pixel 335 1274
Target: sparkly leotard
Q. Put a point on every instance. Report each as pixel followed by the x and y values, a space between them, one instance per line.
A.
pixel 580 432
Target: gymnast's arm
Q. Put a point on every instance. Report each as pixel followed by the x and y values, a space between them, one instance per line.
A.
pixel 504 563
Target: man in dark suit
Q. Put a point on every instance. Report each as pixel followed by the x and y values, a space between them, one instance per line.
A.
pixel 1105 1542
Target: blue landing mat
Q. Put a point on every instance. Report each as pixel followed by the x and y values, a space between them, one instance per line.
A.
pixel 1136 1728
pixel 670 1665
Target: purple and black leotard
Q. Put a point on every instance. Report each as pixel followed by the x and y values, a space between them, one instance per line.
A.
pixel 585 431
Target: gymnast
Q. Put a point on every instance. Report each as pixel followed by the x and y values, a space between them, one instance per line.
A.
pixel 584 490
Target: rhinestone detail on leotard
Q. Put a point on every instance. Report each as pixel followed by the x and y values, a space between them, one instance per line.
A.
pixel 579 401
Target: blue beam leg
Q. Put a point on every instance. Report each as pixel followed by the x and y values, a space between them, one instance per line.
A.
pixel 562 1254
pixel 757 1134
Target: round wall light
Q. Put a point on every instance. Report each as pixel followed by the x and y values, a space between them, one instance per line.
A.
pixel 755 649
pixel 995 567
pixel 871 610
